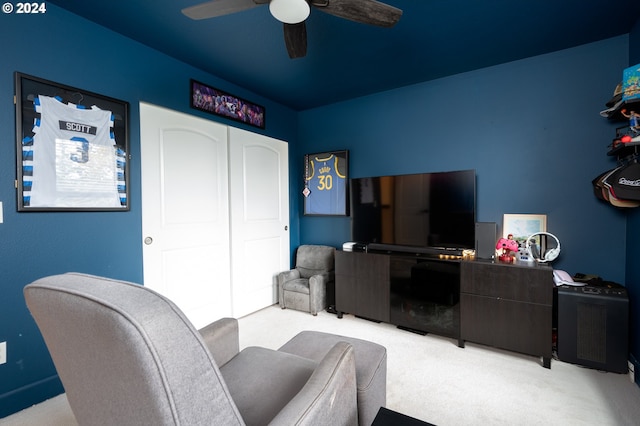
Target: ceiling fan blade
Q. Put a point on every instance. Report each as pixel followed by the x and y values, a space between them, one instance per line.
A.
pixel 370 12
pixel 215 8
pixel 295 37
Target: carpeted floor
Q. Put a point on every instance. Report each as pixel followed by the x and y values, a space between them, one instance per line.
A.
pixel 432 379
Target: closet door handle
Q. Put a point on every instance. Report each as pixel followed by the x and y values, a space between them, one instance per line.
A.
pixel 148 241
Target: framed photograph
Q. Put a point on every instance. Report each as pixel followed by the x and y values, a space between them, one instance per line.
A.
pixel 72 148
pixel 326 183
pixel 214 101
pixel 522 226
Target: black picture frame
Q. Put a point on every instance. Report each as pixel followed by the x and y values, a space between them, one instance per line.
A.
pixel 86 172
pixel 326 183
pixel 218 102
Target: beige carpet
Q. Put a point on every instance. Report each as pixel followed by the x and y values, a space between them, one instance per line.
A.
pixel 431 378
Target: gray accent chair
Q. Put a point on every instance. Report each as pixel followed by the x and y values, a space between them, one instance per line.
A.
pixel 128 356
pixel 305 287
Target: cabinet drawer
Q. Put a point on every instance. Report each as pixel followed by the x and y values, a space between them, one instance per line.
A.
pixel 519 283
pixel 516 326
pixel 362 265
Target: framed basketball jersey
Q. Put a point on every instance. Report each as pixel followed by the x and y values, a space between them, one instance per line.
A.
pixel 326 189
pixel 71 146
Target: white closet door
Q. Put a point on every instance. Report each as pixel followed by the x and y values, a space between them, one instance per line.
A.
pixel 259 188
pixel 185 211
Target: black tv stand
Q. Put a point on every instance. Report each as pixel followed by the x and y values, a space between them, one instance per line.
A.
pixel 413 250
pixel 508 306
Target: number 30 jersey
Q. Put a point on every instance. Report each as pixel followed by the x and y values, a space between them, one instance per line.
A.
pixel 327 186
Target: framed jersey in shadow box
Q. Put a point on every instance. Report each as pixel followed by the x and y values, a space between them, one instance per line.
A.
pixel 326 185
pixel 72 148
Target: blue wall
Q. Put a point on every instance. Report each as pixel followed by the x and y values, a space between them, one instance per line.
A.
pixel 61 47
pixel 530 129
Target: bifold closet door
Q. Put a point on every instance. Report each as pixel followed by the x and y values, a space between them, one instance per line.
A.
pixel 259 194
pixel 185 211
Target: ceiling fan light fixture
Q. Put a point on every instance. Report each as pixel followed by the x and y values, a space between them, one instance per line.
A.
pixel 290 11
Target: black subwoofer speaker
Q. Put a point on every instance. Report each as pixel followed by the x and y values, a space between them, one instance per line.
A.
pixel 593 327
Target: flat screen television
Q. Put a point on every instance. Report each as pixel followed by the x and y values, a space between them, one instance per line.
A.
pixel 415 212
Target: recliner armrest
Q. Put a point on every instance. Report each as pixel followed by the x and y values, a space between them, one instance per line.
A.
pixel 321 279
pixel 329 397
pixel 222 339
pixel 285 276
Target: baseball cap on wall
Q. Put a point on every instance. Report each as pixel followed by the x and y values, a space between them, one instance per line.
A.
pixel 597 186
pixel 617 96
pixel 625 182
pixel 604 186
pixel 619 202
pixel 615 103
pixel 603 190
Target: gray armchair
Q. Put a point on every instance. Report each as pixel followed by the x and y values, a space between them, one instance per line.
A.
pixel 126 355
pixel 310 285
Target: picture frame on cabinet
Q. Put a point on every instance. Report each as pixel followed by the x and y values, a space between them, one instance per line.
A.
pixel 326 183
pixel 217 102
pixel 72 148
pixel 522 226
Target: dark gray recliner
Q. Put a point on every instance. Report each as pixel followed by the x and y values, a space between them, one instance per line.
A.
pixel 305 287
pixel 128 356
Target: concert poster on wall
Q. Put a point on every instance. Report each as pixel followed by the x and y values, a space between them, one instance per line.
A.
pixel 326 186
pixel 215 101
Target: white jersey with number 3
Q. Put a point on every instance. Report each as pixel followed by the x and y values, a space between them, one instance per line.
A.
pixel 73 157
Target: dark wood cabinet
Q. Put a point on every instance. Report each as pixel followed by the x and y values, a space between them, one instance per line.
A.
pixel 362 284
pixel 507 306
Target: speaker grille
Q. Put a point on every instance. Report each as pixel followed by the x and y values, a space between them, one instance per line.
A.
pixel 593 327
pixel 592 332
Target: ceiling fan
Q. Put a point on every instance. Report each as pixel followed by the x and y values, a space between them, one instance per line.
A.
pixel 293 13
